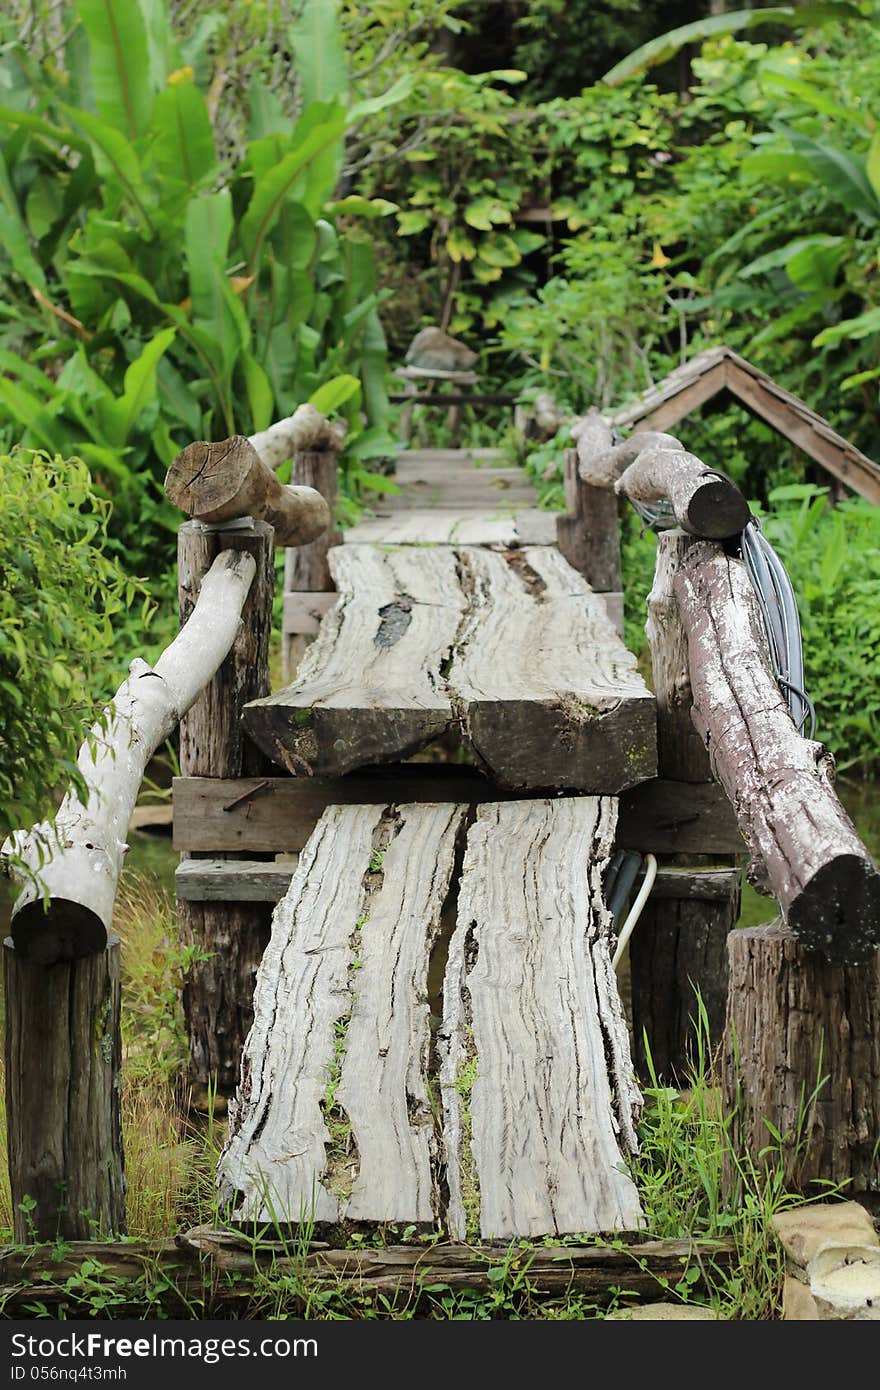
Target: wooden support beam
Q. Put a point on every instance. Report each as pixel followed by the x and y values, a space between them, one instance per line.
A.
pixel 588 535
pixel 801 1059
pixel 223 1270
pixel 681 753
pixel 63 1060
pixel 805 847
pixel 223 481
pixel 276 815
pixel 71 870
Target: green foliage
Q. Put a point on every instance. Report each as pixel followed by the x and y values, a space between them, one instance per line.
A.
pixel 159 293
pixel 59 591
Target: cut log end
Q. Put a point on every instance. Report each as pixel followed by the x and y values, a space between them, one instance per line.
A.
pixel 65 930
pixel 205 476
pixel 838 911
pixel 717 509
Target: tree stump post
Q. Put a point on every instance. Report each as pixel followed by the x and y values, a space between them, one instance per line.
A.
pixel 306 571
pixel 680 944
pixel 802 1053
pixel 63 1060
pixel 227 939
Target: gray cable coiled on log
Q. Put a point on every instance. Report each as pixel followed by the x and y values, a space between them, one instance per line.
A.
pixel 779 613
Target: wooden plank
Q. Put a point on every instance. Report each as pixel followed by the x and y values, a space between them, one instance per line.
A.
pixel 384 1086
pixel 232 880
pixel 547 694
pixel 501 526
pixel 276 815
pixel 539 682
pixel 697 885
pixel 436 374
pixel 333 1118
pixel 455 398
pixel 370 688
pixel 530 1006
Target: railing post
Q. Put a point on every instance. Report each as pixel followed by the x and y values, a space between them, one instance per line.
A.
pixel 588 536
pixel 307 577
pixel 227 939
pixel 63 1072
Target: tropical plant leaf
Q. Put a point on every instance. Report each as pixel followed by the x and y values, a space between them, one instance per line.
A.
pixel 319 53
pixel 261 397
pixel 872 167
pixel 844 175
pixel 114 156
pixel 184 146
pixel 862 326
pixel 14 236
pixel 119 416
pixel 120 76
pixel 271 191
pixel 661 49
pixel 335 393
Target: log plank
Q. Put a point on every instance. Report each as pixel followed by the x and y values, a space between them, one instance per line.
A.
pixel 496 524
pixel 530 1009
pixel 333 1118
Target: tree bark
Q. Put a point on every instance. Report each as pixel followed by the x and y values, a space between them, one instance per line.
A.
pixel 63 1059
pixel 85 849
pixel 305 567
pixel 802 1054
pixel 306 431
pixel 227 480
pixel 805 846
pixel 705 502
pixel 228 939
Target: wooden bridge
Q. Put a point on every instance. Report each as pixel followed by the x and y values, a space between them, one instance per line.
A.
pixel 428 1033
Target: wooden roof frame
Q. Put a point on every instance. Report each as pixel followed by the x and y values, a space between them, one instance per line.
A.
pixel 722 369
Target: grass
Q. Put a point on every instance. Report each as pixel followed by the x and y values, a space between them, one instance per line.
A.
pixel 684 1173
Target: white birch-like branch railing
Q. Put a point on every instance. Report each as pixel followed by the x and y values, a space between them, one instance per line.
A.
pixel 71 870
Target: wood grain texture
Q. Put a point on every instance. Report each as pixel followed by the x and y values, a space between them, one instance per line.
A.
pixel 370 688
pixel 305 566
pixel 681 752
pixel 588 535
pixel 515 649
pixel 530 1012
pixel 63 1063
pixel 332 1118
pixel 497 524
pixel 276 815
pixel 546 693
pixel 806 848
pixel 796 1023
pixel 232 880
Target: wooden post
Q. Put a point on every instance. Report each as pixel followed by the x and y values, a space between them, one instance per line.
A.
pixel 680 944
pixel 802 1054
pixel 306 571
pixel 589 534
pixel 228 938
pixel 63 1063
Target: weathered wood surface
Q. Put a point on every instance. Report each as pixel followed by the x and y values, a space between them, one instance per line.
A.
pixel 805 846
pixel 546 693
pixel 302 614
pixel 681 753
pixel 276 815
pixel 227 938
pixel 802 1053
pixel 77 864
pixel 63 1060
pixel 213 1270
pixel 370 687
pixel 497 525
pixel 333 1117
pixel 515 650
pixel 454 479
pixel 530 1012
pixel 232 880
